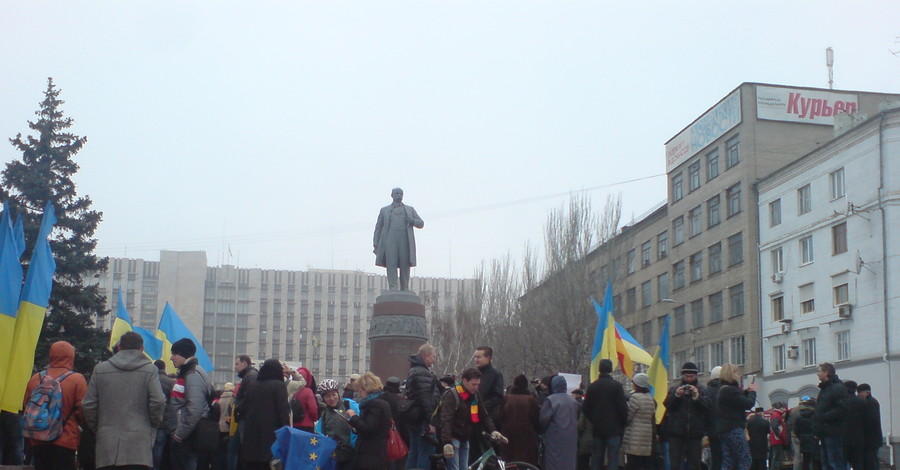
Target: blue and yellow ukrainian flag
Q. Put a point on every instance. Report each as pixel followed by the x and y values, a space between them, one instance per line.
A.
pixel 612 341
pixel 659 373
pixel 11 248
pixel 123 324
pixel 30 317
pixel 170 330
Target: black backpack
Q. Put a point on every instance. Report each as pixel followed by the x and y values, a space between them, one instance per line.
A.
pixel 297 410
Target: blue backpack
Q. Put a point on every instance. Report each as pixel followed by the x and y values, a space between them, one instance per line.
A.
pixel 43 412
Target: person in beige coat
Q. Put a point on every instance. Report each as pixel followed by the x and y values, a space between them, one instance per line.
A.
pixel 637 444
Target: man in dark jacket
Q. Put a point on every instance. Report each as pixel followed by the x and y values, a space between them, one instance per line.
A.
pixel 422 387
pixel 162 433
pixel 491 390
pixel 607 409
pixel 874 439
pixel 854 430
pixel 461 418
pixel 715 444
pixel 758 430
pixel 687 409
pixel 830 417
pixel 243 365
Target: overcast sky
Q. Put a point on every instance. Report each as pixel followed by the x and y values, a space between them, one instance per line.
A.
pixel 279 128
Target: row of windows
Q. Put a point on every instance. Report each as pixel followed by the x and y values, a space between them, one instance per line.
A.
pixel 711 163
pixel 805 197
pixel 807 300
pixel 688 270
pixel 732 350
pixel 714 305
pixel 807 249
pixel 807 352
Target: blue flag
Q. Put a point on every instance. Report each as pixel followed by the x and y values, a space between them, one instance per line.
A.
pixel 170 330
pixel 300 450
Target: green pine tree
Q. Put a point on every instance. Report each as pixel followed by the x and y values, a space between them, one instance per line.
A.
pixel 45 174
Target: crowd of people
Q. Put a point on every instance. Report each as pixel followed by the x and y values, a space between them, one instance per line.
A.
pixel 132 415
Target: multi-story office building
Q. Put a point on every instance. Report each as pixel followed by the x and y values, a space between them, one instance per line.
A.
pixel 711 166
pixel 319 318
pixel 829 244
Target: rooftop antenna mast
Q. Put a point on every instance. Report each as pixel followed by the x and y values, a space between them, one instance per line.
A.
pixel 829 62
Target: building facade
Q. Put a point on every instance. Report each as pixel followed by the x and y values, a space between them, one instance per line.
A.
pixel 829 244
pixel 712 165
pixel 317 318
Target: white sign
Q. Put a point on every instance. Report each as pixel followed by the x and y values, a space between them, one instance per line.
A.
pixel 807 106
pixel 573 381
pixel 712 125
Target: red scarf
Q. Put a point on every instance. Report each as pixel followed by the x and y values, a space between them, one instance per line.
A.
pixel 473 408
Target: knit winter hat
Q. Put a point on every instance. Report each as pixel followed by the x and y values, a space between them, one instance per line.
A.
pixel 229 387
pixel 184 347
pixel 689 368
pixel 641 380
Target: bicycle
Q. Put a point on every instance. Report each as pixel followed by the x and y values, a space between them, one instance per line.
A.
pixel 490 460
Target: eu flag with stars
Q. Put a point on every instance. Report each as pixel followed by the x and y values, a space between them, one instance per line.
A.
pixel 301 450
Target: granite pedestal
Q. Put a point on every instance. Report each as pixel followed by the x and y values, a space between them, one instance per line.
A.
pixel 397 329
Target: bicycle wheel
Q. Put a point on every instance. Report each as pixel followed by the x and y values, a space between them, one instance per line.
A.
pixel 519 466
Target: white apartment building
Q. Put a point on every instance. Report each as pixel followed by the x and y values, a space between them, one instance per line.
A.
pixel 829 240
pixel 318 318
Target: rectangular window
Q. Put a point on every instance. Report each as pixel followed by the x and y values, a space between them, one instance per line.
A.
pixel 715 258
pixel 736 299
pixel 662 286
pixel 841 294
pixel 696 265
pixel 843 343
pixel 806 250
pixel 736 249
pixel 737 350
pixel 809 352
pixel 733 198
pixel 804 200
pixel 839 239
pixel 700 358
pixel 645 254
pixel 677 191
pixel 778 358
pixel 695 222
pixel 775 213
pixel 647 332
pixel 715 307
pixel 712 164
pixel 697 314
pixel 680 321
pixel 837 184
pixel 646 294
pixel 717 353
pixel 678 277
pixel 629 261
pixel 732 152
pixel 777 255
pixel 778 308
pixel 713 214
pixel 678 230
pixel 807 298
pixel 631 299
pixel 662 245
pixel 694 176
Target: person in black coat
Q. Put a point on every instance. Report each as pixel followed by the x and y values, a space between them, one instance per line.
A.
pixel 392 396
pixel 803 427
pixel 732 404
pixel 687 415
pixel 873 439
pixel 758 430
pixel 854 431
pixel 265 409
pixel 606 407
pixel 715 445
pixel 830 417
pixel 423 388
pixel 372 424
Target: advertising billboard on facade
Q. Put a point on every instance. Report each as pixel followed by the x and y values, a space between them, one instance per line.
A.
pixel 806 106
pixel 709 127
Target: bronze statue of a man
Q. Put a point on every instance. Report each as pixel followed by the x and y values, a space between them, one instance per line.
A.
pixel 395 242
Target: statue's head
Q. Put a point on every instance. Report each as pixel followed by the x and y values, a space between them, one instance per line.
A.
pixel 397 195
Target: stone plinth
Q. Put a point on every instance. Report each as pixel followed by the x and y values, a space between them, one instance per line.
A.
pixel 397 329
